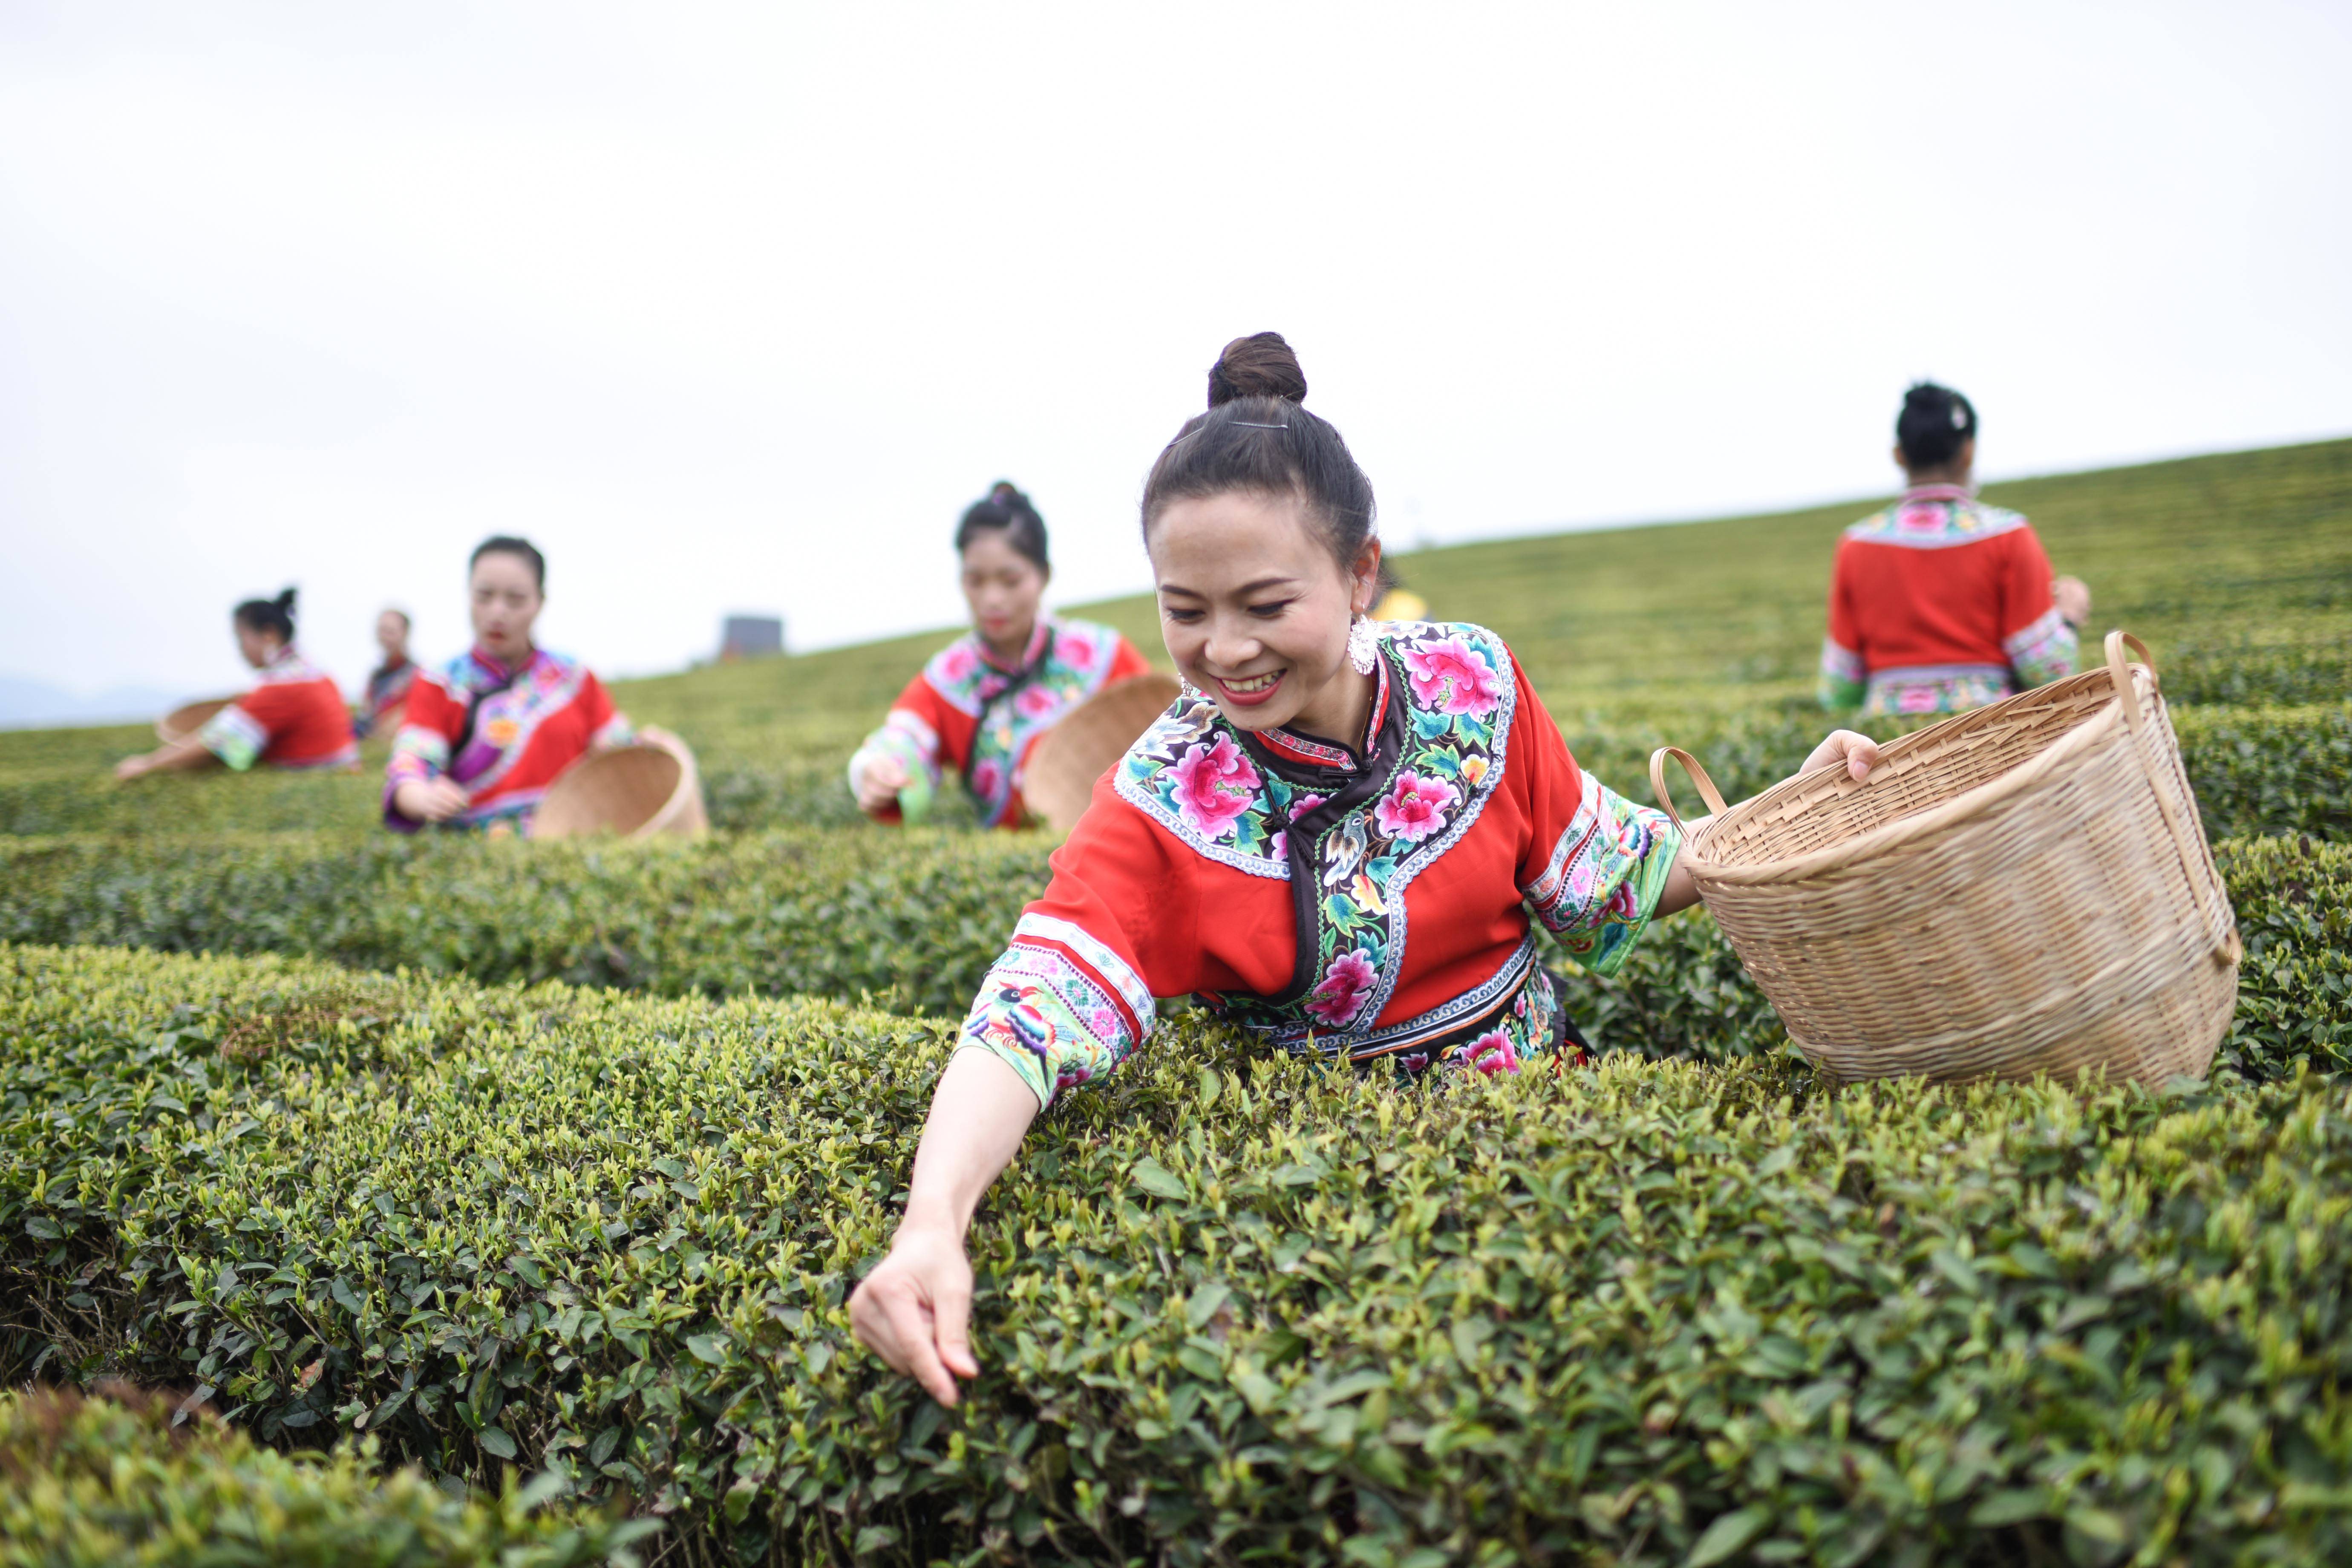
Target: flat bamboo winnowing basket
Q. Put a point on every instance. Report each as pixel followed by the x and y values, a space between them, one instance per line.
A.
pixel 2020 890
pixel 644 790
pixel 1059 777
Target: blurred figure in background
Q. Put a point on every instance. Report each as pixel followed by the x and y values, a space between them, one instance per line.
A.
pixel 293 717
pixel 983 700
pixel 387 686
pixel 485 733
pixel 1940 603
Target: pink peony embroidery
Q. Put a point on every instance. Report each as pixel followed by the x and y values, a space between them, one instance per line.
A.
pixel 1414 806
pixel 1924 516
pixel 1305 803
pixel 1036 701
pixel 1344 985
pixel 1075 649
pixel 1105 1023
pixel 1916 700
pixel 957 663
pixel 1449 676
pixel 1214 783
pixel 1492 1053
pixel 985 778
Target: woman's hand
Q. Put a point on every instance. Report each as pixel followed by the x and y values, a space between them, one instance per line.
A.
pixel 429 800
pixel 2073 597
pixel 915 1310
pixel 879 782
pixel 1858 753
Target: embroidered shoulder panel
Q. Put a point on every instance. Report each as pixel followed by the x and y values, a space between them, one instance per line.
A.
pixel 1935 523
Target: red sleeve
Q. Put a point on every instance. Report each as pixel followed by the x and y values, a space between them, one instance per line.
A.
pixel 1125 660
pixel 1126 885
pixel 2024 582
pixel 431 706
pixel 1544 781
pixel 274 708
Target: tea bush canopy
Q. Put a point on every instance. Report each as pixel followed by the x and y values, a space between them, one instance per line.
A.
pixel 503 1199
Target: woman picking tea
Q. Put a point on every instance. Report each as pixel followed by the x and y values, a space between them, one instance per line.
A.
pixel 1940 604
pixel 487 733
pixel 1337 838
pixel 293 717
pixel 983 701
pixel 388 683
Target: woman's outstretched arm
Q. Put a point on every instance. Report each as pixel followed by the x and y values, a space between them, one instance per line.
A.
pixel 915 1310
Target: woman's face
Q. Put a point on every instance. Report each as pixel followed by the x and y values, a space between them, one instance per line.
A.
pixel 1003 587
pixel 391 633
pixel 257 646
pixel 506 602
pixel 1256 612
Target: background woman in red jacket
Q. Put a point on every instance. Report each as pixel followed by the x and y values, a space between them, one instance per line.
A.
pixel 1940 603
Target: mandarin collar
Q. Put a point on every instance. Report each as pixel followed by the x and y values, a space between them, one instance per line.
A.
pixel 1029 655
pixel 499 667
pixel 1940 492
pixel 1310 750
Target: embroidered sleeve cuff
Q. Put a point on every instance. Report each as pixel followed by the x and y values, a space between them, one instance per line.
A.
pixel 1612 880
pixel 2046 650
pixel 1050 1020
pixel 905 736
pixel 614 732
pixel 1843 676
pixel 234 736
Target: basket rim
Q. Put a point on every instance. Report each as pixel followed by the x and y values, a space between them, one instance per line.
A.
pixel 1877 841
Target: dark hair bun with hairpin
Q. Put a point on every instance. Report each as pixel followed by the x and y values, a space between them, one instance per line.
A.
pixel 1933 422
pixel 1259 366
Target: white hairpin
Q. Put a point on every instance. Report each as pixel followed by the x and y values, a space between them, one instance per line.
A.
pixel 1253 424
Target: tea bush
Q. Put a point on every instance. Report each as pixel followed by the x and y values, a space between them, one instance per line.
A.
pixel 911 919
pixel 1229 1308
pixel 112 1481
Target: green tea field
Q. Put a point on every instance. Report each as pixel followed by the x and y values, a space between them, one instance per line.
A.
pixel 544 1171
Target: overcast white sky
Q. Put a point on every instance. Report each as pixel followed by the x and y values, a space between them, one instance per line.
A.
pixel 736 307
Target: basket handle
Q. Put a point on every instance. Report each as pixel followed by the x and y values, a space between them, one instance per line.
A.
pixel 1706 789
pixel 2229 949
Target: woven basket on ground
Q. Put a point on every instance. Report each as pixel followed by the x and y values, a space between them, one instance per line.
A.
pixel 641 791
pixel 2020 889
pixel 188 718
pixel 1063 766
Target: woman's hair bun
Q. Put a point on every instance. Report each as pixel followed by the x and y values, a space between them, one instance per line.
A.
pixel 1259 366
pixel 285 600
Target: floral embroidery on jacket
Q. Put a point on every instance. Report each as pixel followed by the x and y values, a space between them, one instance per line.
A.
pixel 1065 663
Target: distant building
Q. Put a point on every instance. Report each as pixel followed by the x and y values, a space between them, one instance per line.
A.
pixel 751 637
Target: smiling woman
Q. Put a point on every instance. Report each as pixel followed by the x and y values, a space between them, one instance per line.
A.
pixel 1338 837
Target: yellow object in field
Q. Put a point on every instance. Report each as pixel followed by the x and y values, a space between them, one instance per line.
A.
pixel 1400 605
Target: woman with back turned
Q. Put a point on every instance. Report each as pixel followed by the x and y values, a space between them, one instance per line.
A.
pixel 487 733
pixel 983 700
pixel 1337 839
pixel 1940 603
pixel 293 717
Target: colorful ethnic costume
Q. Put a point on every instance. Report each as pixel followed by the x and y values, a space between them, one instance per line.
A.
pixel 1367 904
pixel 1940 604
pixel 972 712
pixel 293 717
pixel 503 733
pixel 387 688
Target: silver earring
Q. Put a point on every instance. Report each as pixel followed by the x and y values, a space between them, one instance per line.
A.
pixel 1361 645
pixel 1187 690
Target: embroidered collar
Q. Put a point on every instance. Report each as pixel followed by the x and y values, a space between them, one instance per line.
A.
pixel 1938 492
pixel 1279 745
pixel 1038 637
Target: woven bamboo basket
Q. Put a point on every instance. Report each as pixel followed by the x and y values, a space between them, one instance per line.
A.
pixel 188 718
pixel 1068 758
pixel 2023 889
pixel 647 790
